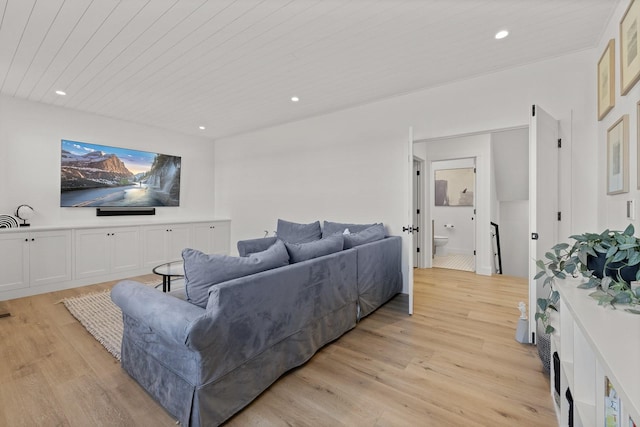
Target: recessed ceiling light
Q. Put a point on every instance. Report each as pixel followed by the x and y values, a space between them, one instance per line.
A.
pixel 502 34
pixel 201 127
pixel 295 99
pixel 61 92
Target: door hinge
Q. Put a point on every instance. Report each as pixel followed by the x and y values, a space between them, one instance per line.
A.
pixel 418 211
pixel 418 173
pixel 474 170
pixel 474 252
pixel 559 216
pixel 559 142
pixel 533 110
pixel 534 236
pixel 417 249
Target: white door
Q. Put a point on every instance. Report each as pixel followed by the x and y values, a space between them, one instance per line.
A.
pixel 408 228
pixel 543 199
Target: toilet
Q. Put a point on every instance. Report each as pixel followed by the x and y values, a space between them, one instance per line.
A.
pixel 441 245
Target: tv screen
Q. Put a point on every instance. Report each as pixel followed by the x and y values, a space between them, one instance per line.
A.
pixel 99 175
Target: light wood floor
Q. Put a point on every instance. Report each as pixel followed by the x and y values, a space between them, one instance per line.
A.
pixel 455 362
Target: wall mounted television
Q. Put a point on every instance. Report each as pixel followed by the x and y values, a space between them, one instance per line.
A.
pixel 102 176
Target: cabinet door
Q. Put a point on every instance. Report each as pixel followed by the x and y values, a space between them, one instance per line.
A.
pixel 14 261
pixel 203 237
pixel 211 237
pixel 49 257
pixel 179 238
pixel 92 252
pixel 221 238
pixel 125 249
pixel 153 245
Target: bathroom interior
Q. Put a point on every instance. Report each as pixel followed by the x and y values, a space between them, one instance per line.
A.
pixel 452 214
pixel 453 233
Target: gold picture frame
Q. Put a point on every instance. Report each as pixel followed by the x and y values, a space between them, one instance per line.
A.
pixel 618 156
pixel 606 80
pixel 630 47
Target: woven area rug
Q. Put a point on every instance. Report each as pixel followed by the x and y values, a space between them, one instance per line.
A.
pixel 101 317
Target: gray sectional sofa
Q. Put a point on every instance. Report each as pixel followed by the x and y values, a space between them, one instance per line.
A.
pixel 205 363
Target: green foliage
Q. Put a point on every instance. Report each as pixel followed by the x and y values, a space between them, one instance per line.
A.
pixel 564 259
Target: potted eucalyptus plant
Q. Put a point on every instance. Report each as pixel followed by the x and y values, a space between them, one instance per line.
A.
pixel 608 261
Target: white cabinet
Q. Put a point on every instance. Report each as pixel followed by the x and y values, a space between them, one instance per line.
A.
pixel 594 344
pixel 45 259
pixel 35 258
pixel 164 243
pixel 212 237
pixel 103 251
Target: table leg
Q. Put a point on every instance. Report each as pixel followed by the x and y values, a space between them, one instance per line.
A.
pixel 168 283
pixel 164 283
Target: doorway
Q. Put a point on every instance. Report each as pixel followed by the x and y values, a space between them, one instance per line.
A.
pixel 453 208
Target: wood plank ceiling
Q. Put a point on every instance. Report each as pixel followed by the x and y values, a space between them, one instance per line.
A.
pixel 233 65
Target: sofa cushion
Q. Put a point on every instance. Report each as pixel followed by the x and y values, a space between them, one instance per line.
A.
pixel 303 251
pixel 371 234
pixel 292 232
pixel 248 247
pixel 201 271
pixel 330 228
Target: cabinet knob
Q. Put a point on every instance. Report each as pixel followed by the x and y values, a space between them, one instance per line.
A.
pixel 33 240
pixel 26 240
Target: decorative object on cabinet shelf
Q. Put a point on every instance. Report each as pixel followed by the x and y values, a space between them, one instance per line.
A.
pixel 8 221
pixel 609 262
pixel 25 213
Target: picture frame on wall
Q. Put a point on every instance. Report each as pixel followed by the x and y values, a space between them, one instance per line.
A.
pixel 630 47
pixel 606 80
pixel 618 156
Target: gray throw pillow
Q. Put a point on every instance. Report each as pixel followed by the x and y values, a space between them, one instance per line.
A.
pixel 201 271
pixel 371 234
pixel 248 247
pixel 303 251
pixel 330 228
pixel 292 232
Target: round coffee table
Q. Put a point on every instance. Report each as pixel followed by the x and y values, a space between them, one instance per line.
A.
pixel 167 271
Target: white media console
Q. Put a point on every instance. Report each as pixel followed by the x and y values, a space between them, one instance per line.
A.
pixel 594 344
pixel 36 260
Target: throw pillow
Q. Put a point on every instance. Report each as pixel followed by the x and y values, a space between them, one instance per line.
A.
pixel 292 232
pixel 330 228
pixel 248 247
pixel 303 251
pixel 201 271
pixel 371 234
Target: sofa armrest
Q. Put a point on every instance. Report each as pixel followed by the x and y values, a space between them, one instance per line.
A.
pixel 166 315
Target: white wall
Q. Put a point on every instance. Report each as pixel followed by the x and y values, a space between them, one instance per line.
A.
pixel 30 135
pixel 510 150
pixel 351 165
pixel 612 209
pixel 514 237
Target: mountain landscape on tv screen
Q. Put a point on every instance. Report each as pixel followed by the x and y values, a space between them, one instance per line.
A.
pixel 95 175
